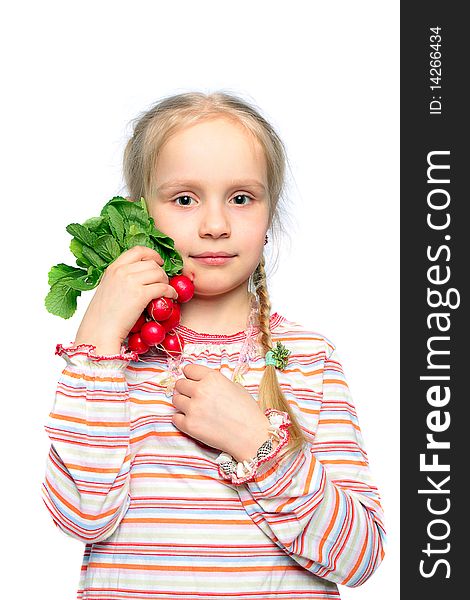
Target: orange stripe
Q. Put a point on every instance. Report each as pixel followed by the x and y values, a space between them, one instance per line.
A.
pixel 94 378
pixel 93 470
pixel 146 567
pixel 166 434
pixel 311 469
pixel 308 564
pixel 141 369
pixel 154 401
pixel 308 480
pixel 301 338
pixel 329 528
pixel 338 381
pixel 247 522
pixel 359 560
pixel 309 411
pixel 85 422
pixel 170 476
pixel 344 462
pixel 75 510
pixel 337 421
pixel 281 507
pixel 315 372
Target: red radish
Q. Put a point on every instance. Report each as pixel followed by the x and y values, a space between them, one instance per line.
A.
pixel 160 309
pixel 136 344
pixel 184 286
pixel 138 324
pixel 174 318
pixel 173 344
pixel 152 333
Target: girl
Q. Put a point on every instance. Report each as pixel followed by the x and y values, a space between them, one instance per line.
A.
pixel 236 470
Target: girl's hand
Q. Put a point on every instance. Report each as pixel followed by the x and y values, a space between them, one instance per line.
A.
pixel 219 412
pixel 128 284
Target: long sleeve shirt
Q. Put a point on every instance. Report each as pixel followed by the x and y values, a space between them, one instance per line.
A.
pixel 157 519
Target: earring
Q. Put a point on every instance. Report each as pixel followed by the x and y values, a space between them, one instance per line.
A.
pixel 266 240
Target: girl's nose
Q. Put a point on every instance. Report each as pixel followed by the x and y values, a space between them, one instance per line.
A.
pixel 214 219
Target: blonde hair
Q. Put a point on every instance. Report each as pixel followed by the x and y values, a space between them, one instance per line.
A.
pixel 150 132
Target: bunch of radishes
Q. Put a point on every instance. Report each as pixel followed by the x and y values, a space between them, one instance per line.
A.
pixel 155 325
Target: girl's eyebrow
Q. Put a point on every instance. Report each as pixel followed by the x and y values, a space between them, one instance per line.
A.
pixel 253 183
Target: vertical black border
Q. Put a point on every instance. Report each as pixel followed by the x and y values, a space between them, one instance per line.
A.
pixel 421 133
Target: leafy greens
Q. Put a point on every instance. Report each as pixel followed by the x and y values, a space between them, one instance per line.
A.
pixel 97 242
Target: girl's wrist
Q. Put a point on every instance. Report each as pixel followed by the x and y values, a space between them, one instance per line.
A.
pixel 102 347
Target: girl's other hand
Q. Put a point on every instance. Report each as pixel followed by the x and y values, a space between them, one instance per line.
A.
pixel 128 284
pixel 219 412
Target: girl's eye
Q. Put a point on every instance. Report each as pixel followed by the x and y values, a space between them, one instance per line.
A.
pixel 242 196
pixel 185 197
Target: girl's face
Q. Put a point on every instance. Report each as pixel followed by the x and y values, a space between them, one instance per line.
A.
pixel 212 196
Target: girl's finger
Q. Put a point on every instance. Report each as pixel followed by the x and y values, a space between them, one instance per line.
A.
pixel 138 253
pixel 148 266
pixel 146 276
pixel 194 372
pixel 159 290
pixel 144 265
pixel 180 402
pixel 184 387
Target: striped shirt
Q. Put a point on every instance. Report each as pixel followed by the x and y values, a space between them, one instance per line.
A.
pixel 157 519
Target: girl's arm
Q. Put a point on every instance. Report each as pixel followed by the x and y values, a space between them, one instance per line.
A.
pixel 86 486
pixel 320 505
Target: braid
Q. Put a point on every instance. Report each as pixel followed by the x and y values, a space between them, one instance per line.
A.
pixel 270 394
pixel 264 306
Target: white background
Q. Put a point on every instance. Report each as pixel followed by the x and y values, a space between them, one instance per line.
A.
pixel 326 76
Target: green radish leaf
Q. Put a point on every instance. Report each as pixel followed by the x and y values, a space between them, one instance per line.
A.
pixel 76 248
pixel 135 229
pixel 94 223
pixel 79 283
pixel 172 262
pixel 143 205
pixel 158 235
pixel 93 258
pixel 62 300
pixel 164 241
pixel 107 247
pixel 130 211
pixel 94 275
pixel 60 271
pixel 140 239
pixel 83 234
pixel 116 224
pixel 103 228
pixel 173 266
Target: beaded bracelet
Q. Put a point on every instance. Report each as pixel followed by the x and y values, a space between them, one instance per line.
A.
pixel 244 471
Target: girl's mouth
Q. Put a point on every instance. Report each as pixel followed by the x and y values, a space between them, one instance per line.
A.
pixel 213 260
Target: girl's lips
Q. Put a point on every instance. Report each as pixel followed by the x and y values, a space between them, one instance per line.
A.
pixel 213 260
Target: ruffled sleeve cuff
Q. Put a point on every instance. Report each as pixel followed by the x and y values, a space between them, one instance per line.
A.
pixel 84 356
pixel 246 471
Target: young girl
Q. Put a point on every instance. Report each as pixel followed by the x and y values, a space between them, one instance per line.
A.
pixel 236 470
